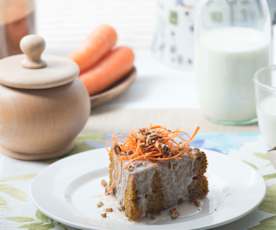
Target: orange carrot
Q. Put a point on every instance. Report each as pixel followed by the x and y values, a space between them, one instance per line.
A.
pixel 98 44
pixel 109 70
pixel 146 148
pixel 194 133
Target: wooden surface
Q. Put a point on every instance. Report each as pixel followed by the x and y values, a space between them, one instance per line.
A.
pixel 40 124
pixel 114 91
pixel 31 71
pixel 59 71
pixel 33 46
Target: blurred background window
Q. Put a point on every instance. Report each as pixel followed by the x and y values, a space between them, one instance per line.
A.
pixel 68 22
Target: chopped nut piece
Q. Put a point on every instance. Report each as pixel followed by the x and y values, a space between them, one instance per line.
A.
pixel 173 213
pixel 165 149
pixel 103 183
pixel 129 152
pixel 117 149
pixel 151 139
pixel 121 208
pixel 100 204
pixel 130 168
pixel 104 215
pixel 109 209
pixel 109 191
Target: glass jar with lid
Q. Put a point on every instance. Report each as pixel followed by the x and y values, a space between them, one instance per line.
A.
pixel 17 19
pixel 233 41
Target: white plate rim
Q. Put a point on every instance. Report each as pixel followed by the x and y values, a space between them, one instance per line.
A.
pixel 81 226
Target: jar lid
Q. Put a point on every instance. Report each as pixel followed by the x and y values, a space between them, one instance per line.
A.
pixel 29 71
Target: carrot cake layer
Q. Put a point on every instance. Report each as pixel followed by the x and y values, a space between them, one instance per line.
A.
pixel 155 169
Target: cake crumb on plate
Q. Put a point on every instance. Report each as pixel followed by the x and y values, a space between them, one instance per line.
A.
pixel 109 209
pixel 100 204
pixel 104 183
pixel 173 213
pixel 121 208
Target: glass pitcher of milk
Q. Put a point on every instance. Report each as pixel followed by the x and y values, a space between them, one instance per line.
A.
pixel 233 41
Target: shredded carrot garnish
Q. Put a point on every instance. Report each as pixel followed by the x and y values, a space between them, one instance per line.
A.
pixel 155 143
pixel 194 133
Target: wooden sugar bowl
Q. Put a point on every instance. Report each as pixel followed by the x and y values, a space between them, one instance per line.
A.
pixel 43 105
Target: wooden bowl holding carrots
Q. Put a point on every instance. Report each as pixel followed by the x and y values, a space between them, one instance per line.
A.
pixel 115 90
pixel 105 70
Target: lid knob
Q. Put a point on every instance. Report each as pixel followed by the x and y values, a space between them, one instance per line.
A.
pixel 33 46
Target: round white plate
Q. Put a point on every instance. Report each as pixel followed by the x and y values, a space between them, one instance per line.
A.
pixel 68 191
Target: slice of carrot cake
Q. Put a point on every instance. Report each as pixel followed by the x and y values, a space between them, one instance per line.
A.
pixel 155 169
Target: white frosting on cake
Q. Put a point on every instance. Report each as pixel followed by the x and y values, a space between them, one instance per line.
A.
pixel 175 177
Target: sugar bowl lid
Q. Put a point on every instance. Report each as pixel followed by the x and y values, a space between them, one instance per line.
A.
pixel 30 71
